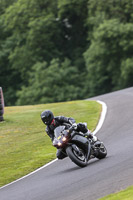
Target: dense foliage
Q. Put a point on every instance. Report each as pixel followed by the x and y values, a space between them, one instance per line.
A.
pixel 61 50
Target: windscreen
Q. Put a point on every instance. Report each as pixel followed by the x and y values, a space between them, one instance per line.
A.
pixel 58 131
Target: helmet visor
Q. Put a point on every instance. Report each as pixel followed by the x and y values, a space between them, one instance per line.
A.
pixel 46 119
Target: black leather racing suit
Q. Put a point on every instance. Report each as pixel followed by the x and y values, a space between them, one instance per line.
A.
pixel 58 121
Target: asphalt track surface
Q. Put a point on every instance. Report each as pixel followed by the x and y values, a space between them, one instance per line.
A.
pixel 63 180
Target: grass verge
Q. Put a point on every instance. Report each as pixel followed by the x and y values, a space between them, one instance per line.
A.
pixel 24 145
pixel 123 195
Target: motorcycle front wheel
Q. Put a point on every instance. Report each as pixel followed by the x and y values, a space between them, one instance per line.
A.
pixel 76 157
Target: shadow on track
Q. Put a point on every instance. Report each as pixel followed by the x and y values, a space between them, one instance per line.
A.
pixel 93 162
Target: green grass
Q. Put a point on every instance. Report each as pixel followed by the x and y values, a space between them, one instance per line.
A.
pixel 123 195
pixel 24 145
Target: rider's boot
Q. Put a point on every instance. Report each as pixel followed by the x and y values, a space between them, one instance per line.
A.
pixel 91 136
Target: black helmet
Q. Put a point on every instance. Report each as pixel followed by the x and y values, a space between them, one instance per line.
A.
pixel 47 117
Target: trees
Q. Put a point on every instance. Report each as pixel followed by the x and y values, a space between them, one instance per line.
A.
pixel 40 32
pixel 108 58
pixel 57 82
pixel 88 41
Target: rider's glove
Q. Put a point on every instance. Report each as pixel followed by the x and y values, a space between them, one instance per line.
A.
pixel 74 126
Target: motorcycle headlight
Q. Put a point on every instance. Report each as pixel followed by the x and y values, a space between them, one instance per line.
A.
pixel 64 139
pixel 59 143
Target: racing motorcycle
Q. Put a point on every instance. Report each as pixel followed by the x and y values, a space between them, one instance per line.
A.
pixel 76 146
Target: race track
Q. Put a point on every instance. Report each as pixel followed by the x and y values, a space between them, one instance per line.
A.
pixel 63 180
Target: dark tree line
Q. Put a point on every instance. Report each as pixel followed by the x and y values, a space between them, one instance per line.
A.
pixel 62 50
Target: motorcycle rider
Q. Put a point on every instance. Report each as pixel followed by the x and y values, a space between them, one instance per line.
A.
pixel 53 122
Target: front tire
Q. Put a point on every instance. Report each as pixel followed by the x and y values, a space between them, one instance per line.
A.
pixel 81 161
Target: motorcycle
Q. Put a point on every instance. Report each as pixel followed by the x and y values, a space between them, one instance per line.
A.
pixel 76 146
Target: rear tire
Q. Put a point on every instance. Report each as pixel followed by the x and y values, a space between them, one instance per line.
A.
pixel 80 161
pixel 102 152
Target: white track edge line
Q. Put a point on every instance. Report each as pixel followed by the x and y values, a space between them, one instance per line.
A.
pixel 100 123
pixel 102 117
pixel 29 173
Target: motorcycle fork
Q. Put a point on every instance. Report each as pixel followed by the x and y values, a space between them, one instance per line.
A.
pixel 74 146
pixel 89 151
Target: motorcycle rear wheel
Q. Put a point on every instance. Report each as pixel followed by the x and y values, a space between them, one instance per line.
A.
pixel 102 152
pixel 79 160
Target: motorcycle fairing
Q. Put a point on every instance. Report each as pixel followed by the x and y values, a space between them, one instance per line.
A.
pixel 83 143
